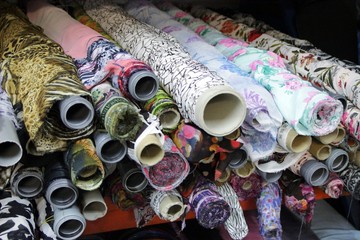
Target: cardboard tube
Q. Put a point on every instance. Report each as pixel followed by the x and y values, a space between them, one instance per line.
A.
pixel 69 223
pixel 328 138
pixel 314 172
pixel 354 157
pixel 108 149
pixel 27 182
pixel 76 112
pixel 338 160
pixel 132 178
pixel 171 207
pixel 224 176
pixel 169 119
pixel 220 110
pixel 10 147
pixel 269 177
pixel 93 205
pixel 143 85
pixel 340 136
pixel 240 159
pixel 291 141
pixel 245 170
pixel 150 150
pixel 234 135
pixel 320 151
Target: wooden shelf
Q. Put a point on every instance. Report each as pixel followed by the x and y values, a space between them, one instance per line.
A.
pixel 117 219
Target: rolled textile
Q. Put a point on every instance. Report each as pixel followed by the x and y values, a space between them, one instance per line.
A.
pixel 246 188
pixel 333 186
pixel 235 225
pixel 85 167
pixel 319 150
pixel 109 150
pixel 93 205
pixel 201 96
pixel 211 209
pixel 16 217
pixel 96 57
pixel 350 120
pixel 60 192
pixel 316 106
pixel 27 181
pixel 165 109
pixel 132 178
pixel 170 171
pixel 291 141
pixel 167 205
pixel 338 160
pixel 55 81
pixel 118 115
pixel 351 178
pixel 269 206
pixel 148 146
pixel 45 218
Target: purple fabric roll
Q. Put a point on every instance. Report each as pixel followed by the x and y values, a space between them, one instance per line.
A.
pixel 211 210
pixel 246 188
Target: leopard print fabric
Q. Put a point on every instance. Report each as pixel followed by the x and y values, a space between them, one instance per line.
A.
pixel 37 74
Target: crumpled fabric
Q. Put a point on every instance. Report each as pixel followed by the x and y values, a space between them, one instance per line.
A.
pixel 351 178
pixel 269 206
pixel 38 81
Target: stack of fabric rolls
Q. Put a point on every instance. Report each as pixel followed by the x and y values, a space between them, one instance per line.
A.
pixel 167 111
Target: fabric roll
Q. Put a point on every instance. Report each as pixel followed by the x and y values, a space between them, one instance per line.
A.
pixel 86 169
pixel 93 205
pixel 60 192
pixel 319 150
pixel 207 96
pixel 117 114
pixel 338 160
pixel 168 205
pixel 120 196
pixel 350 120
pixel 170 171
pixel 132 178
pixel 109 150
pixel 211 209
pixel 351 178
pixel 57 81
pixel 333 186
pixel 235 225
pixel 16 217
pixel 291 141
pixel 246 188
pixel 133 77
pixel 283 84
pixel 148 146
pixel 269 206
pixel 165 109
pixel 27 181
pixel 44 220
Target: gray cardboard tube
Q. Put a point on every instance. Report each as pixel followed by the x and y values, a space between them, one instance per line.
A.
pixel 314 172
pixel 132 178
pixel 27 182
pixel 269 177
pixel 338 160
pixel 143 85
pixel 238 162
pixel 10 147
pixel 93 205
pixel 61 193
pixel 76 112
pixel 69 223
pixel 108 149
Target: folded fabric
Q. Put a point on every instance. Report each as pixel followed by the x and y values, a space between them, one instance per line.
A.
pixel 170 171
pixel 188 82
pixel 211 209
pixel 96 57
pixel 235 225
pixel 269 206
pixel 118 115
pixel 56 80
pixel 16 217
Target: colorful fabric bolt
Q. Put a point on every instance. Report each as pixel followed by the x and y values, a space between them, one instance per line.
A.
pixel 56 79
pixel 168 205
pixel 351 178
pixel 257 120
pixel 269 206
pixel 246 188
pixel 197 146
pixel 166 110
pixel 16 217
pixel 235 225
pixel 119 116
pixel 211 209
pixel 86 169
pixel 170 171
pixel 184 79
pixel 334 185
